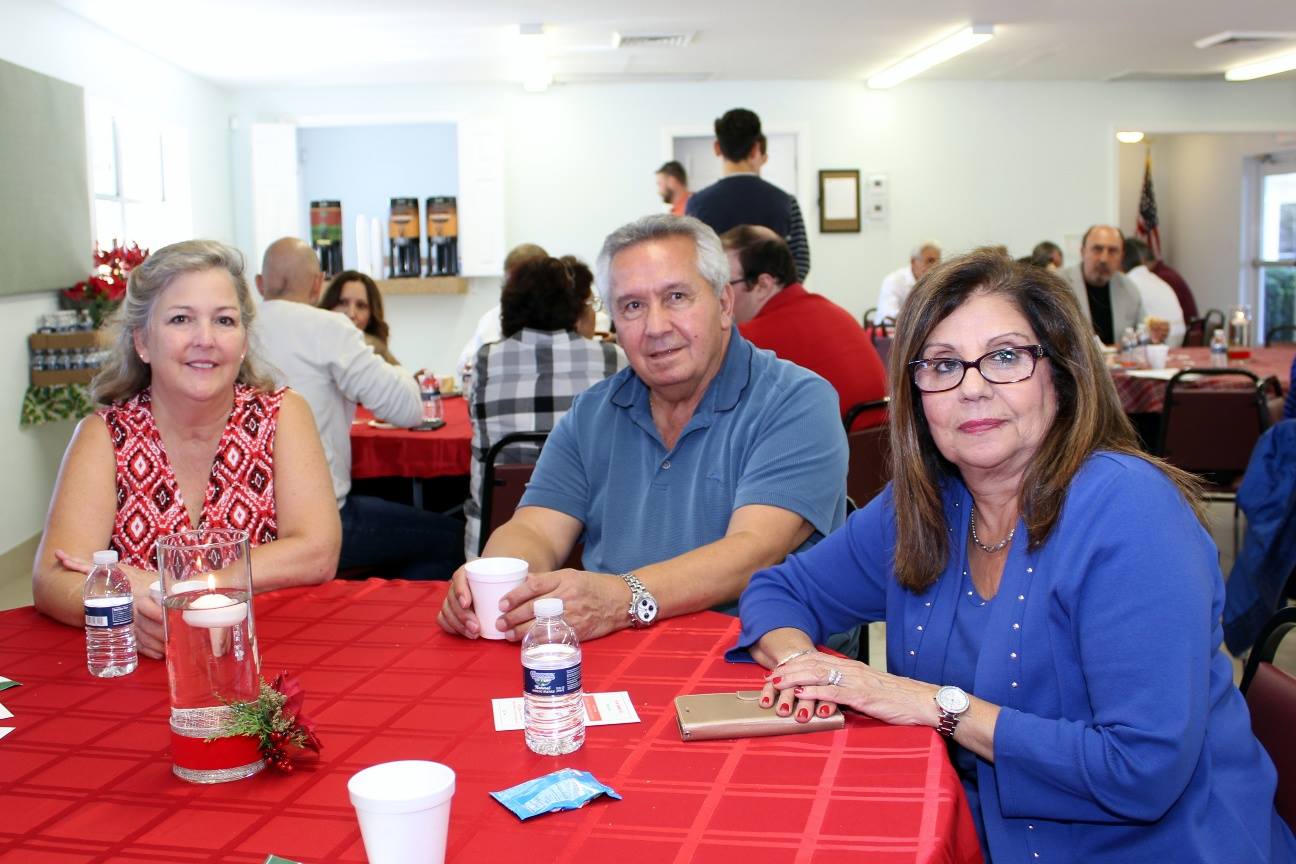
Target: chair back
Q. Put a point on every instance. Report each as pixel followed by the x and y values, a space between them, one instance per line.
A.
pixel 1195 335
pixel 869 465
pixel 882 343
pixel 1281 333
pixel 1209 430
pixel 1271 698
pixel 1213 321
pixel 504 483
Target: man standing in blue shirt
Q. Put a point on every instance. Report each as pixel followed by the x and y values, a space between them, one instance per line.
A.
pixel 704 461
pixel 741 197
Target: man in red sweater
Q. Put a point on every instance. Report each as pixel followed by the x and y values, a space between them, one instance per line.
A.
pixel 774 311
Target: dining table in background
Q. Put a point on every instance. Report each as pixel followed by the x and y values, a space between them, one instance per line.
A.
pixel 1142 393
pixel 86 775
pixel 411 453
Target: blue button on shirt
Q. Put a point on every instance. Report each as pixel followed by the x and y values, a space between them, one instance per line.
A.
pixel 766 432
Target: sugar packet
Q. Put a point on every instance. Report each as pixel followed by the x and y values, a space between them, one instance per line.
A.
pixel 565 789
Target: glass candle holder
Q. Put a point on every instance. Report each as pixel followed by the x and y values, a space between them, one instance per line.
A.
pixel 211 652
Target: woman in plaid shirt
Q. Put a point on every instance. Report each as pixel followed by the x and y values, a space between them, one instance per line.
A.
pixel 527 380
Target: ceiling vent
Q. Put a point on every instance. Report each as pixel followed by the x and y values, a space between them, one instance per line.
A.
pixel 1244 37
pixel 651 40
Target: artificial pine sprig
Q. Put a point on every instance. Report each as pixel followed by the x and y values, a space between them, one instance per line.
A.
pixel 276 719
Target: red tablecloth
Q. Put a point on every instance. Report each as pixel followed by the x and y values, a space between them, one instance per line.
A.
pixel 407 453
pixel 1140 395
pixel 86 776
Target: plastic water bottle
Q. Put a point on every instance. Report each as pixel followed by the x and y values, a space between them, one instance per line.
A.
pixel 430 390
pixel 1218 350
pixel 551 682
pixel 109 619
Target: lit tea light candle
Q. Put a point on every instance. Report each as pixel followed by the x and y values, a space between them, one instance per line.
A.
pixel 214 610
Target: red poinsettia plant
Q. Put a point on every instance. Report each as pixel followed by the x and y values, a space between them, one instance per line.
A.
pixel 103 291
pixel 276 719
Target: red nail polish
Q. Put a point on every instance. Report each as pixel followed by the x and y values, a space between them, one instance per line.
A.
pixel 765 701
pixel 796 691
pixel 777 680
pixel 823 710
pixel 784 710
pixel 803 714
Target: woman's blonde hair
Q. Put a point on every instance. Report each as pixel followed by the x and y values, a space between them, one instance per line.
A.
pixel 1089 415
pixel 124 374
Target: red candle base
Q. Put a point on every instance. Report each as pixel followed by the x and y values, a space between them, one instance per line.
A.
pixel 199 754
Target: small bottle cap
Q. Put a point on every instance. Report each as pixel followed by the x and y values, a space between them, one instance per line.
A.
pixel 106 558
pixel 549 607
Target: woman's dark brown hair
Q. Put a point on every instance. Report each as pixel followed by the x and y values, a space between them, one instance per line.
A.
pixel 332 295
pixel 545 294
pixel 1089 415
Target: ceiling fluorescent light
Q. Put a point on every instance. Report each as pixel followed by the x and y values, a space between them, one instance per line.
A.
pixel 1130 137
pixel 933 55
pixel 1272 66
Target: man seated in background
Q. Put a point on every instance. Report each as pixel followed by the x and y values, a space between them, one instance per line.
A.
pixel 526 381
pixel 741 197
pixel 672 186
pixel 1187 302
pixel 324 357
pixel 1106 296
pixel 703 462
pixel 1047 254
pixel 488 326
pixel 1159 298
pixel 774 311
pixel 896 286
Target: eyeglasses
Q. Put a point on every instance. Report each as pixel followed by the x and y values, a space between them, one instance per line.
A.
pixel 595 302
pixel 1004 366
pixel 736 281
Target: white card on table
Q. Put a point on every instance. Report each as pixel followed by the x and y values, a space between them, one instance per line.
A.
pixel 601 709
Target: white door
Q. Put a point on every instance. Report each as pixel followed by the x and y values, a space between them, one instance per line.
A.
pixel 1273 261
pixel 696 154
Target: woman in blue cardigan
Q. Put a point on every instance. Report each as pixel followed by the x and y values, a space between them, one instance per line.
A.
pixel 1052 599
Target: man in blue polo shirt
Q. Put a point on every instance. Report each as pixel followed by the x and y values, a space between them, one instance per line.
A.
pixel 703 462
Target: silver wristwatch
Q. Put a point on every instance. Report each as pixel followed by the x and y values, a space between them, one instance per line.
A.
pixel 643 605
pixel 953 704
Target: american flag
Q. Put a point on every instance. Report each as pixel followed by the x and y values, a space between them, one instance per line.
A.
pixel 1147 212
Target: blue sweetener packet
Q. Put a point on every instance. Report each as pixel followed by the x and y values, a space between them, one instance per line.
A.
pixel 565 789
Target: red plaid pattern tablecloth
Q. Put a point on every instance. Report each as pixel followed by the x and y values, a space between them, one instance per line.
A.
pixel 1147 395
pixel 404 453
pixel 86 775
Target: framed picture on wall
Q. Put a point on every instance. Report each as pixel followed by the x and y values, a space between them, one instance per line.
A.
pixel 839 201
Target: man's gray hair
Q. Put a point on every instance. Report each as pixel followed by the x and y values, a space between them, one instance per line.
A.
pixel 917 251
pixel 712 262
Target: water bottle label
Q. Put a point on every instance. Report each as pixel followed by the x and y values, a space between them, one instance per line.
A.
pixel 551 682
pixel 110 616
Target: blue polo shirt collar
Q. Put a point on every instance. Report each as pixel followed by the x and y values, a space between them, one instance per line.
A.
pixel 723 393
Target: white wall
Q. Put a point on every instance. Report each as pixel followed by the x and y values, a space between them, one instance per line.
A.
pixel 1199 187
pixel 52 41
pixel 970 163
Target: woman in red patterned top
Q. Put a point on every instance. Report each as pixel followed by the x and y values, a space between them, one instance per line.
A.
pixel 190 436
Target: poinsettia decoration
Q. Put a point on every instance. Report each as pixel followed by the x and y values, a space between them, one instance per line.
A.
pixel 104 289
pixel 276 719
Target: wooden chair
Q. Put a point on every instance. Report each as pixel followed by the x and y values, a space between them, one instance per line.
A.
pixel 1287 332
pixel 504 483
pixel 1213 321
pixel 1212 431
pixel 1271 698
pixel 1195 335
pixel 869 467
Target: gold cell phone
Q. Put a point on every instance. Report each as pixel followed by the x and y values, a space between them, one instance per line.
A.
pixel 708 716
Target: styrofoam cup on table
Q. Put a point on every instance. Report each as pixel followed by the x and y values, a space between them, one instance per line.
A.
pixel 489 579
pixel 1156 355
pixel 404 810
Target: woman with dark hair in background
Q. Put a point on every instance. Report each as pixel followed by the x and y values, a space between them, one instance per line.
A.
pixel 1052 598
pixel 357 296
pixel 528 379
